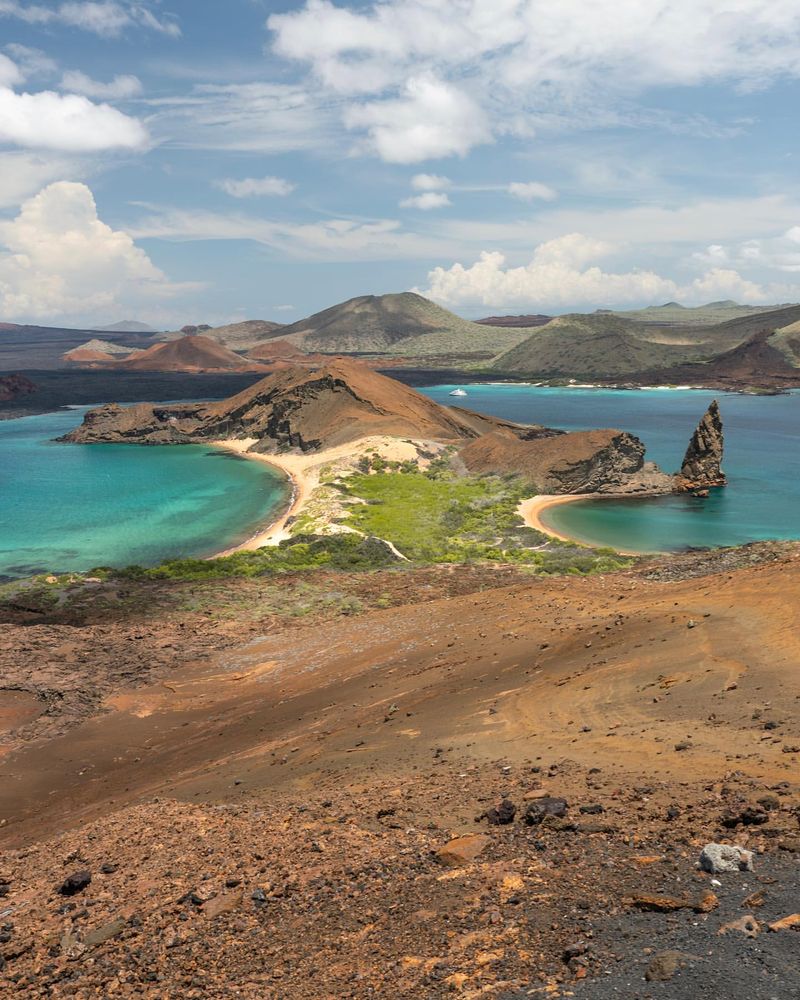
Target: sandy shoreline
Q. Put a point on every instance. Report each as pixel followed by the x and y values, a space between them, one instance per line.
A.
pixel 303 473
pixel 531 512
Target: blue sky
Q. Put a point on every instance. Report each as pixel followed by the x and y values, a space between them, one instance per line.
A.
pixel 202 161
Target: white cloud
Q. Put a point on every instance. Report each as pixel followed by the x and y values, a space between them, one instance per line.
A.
pixel 430 120
pixel 106 18
pixel 120 88
pixel 31 62
pixel 532 191
pixel 58 259
pixel 10 74
pixel 23 173
pixel 563 275
pixel 427 201
pixel 525 63
pixel 430 182
pixel 69 123
pixel 253 187
pixel 330 239
pixel 249 117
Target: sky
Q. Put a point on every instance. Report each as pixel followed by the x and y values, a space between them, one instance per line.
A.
pixel 190 161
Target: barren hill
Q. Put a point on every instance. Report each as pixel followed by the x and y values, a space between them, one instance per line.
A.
pixel 293 408
pixel 405 324
pixel 97 350
pixel 189 354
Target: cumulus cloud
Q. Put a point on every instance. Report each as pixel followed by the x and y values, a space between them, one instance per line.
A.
pixel 430 182
pixel 427 201
pixel 431 119
pixel 563 275
pixel 65 122
pixel 515 62
pixel 57 258
pixel 106 18
pixel 120 88
pixel 30 61
pixel 253 187
pixel 532 191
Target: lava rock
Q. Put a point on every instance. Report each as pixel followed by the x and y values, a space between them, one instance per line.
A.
pixel 75 883
pixel 538 810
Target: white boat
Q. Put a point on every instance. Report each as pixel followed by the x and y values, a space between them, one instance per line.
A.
pixel 458 392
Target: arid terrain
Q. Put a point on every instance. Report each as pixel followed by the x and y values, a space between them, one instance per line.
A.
pixel 260 799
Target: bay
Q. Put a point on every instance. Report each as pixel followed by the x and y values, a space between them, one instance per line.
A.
pixel 762 461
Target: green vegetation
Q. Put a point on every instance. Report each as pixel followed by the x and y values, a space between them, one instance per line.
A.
pixel 438 516
pixel 304 552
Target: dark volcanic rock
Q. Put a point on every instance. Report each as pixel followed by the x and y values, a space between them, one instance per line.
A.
pixel 540 808
pixel 702 464
pixel 75 883
pixel 12 386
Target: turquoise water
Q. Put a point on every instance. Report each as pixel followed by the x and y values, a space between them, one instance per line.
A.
pixel 66 508
pixel 762 461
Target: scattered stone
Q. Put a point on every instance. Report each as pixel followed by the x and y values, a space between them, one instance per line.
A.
pixel 502 814
pixel 792 922
pixel 684 745
pixel 593 810
pixel 749 816
pixel 105 933
pixel 462 850
pixel 652 903
pixel 720 858
pixel 747 925
pixel 75 883
pixel 664 965
pixel 755 899
pixel 225 902
pixel 546 806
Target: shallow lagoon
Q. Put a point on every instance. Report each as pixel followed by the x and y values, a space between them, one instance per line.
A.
pixel 66 508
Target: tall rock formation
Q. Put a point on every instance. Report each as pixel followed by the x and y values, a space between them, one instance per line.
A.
pixel 702 464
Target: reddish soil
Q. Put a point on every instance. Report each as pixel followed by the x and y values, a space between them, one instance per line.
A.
pixel 268 813
pixel 188 354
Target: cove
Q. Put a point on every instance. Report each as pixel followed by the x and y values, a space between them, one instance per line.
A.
pixel 70 508
pixel 762 461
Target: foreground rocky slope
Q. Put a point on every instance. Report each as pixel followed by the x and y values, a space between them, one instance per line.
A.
pixel 277 819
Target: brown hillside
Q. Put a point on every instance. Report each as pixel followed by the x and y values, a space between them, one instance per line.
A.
pixel 189 354
pixel 296 407
pixel 596 461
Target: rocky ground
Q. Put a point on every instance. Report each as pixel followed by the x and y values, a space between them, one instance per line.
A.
pixel 265 806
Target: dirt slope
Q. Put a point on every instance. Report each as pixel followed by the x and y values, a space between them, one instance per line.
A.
pixel 263 822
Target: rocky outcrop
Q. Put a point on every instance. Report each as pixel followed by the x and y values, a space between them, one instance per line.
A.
pixel 601 461
pixel 295 409
pixel 702 464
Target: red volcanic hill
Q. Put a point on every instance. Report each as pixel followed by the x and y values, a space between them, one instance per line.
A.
pixel 296 407
pixel 188 354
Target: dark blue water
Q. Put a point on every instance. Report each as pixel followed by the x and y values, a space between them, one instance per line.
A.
pixel 67 508
pixel 762 461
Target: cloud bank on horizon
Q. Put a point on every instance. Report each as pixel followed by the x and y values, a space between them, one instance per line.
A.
pixel 494 154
